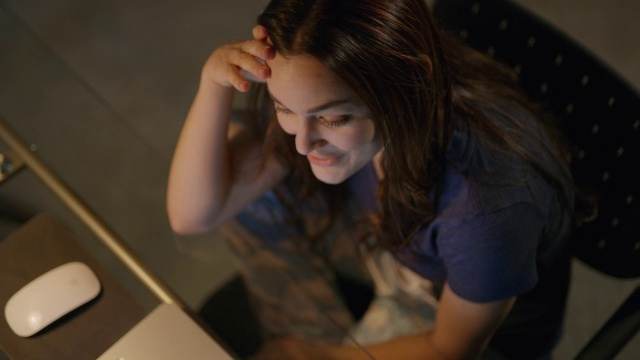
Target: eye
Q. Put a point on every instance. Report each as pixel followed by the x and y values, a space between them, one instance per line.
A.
pixel 281 110
pixel 334 123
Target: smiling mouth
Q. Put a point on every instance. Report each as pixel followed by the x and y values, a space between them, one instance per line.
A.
pixel 323 161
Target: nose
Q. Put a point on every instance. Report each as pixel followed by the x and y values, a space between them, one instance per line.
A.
pixel 307 138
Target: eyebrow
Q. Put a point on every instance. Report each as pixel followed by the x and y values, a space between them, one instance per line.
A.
pixel 325 106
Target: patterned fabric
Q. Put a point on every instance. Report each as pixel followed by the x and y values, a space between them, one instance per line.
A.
pixel 293 287
pixel 405 303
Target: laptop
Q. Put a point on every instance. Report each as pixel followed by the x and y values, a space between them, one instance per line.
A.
pixel 166 333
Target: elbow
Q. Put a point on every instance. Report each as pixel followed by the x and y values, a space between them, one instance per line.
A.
pixel 181 228
pixel 184 225
pixel 191 217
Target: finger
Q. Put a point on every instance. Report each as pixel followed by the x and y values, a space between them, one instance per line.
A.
pixel 253 78
pixel 259 49
pixel 260 32
pixel 253 64
pixel 237 80
pixel 268 53
pixel 252 67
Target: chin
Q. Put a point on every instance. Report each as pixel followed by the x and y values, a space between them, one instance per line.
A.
pixel 330 177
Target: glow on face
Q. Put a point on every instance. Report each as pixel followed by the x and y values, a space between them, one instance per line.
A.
pixel 333 128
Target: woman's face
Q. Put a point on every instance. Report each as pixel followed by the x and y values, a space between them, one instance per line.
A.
pixel 333 128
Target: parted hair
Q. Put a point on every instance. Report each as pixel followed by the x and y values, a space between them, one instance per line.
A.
pixel 414 79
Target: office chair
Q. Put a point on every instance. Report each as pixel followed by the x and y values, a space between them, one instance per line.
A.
pixel 599 114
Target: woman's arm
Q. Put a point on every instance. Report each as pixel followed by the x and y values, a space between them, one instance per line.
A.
pixel 216 168
pixel 462 330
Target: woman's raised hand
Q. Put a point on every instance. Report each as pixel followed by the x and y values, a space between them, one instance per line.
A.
pixel 233 65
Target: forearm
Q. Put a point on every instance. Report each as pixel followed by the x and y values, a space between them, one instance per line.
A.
pixel 200 171
pixel 211 180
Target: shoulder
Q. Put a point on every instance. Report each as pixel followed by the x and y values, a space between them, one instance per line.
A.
pixel 478 179
pixel 489 171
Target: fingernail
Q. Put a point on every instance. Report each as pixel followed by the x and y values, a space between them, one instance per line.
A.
pixel 269 53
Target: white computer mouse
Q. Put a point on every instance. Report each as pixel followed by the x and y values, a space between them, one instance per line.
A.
pixel 51 296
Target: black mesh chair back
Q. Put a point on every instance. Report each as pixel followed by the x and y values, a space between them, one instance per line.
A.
pixel 598 111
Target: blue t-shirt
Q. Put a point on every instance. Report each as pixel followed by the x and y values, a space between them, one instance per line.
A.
pixel 500 232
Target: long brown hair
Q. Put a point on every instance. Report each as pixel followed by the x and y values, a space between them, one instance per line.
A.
pixel 413 79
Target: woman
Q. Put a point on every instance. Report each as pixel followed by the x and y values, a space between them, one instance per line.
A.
pixel 453 172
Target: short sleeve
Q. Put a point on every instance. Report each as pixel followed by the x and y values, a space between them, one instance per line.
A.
pixel 492 256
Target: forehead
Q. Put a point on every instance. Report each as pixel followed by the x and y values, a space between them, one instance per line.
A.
pixel 304 79
pixel 304 66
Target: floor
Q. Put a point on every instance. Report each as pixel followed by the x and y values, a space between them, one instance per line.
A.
pixel 100 88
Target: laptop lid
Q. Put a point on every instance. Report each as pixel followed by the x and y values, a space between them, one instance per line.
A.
pixel 166 333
